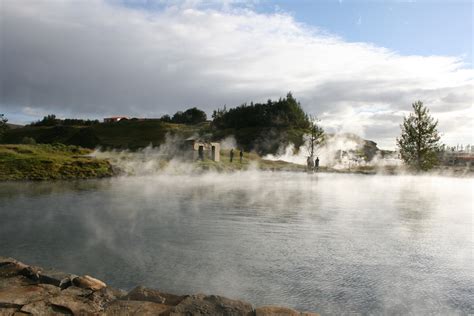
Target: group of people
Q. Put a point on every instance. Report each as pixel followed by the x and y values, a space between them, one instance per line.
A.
pixel 231 155
pixel 312 165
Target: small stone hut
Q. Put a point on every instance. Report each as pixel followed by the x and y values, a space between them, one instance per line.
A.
pixel 201 149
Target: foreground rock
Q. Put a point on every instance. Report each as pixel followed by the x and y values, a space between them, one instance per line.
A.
pixel 29 290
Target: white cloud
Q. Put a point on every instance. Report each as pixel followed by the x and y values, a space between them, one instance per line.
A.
pixel 97 58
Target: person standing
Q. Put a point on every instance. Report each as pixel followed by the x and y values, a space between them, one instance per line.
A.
pixel 316 163
pixel 241 155
pixel 231 154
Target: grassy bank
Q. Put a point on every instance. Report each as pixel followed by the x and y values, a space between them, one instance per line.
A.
pixel 250 161
pixel 50 162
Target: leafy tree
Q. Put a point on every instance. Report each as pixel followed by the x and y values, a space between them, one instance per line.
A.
pixel 3 124
pixel 52 120
pixel 316 137
pixel 78 122
pixel 190 116
pixel 264 127
pixel 284 113
pixel 419 142
pixel 166 118
pixel 48 120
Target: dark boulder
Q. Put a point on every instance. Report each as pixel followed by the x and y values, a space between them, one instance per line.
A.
pixel 56 278
pixel 10 267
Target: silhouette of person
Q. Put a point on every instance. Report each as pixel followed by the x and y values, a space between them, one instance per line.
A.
pixel 231 155
pixel 316 163
pixel 241 155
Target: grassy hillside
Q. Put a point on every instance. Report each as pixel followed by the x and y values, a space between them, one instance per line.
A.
pixel 125 134
pixel 134 134
pixel 45 162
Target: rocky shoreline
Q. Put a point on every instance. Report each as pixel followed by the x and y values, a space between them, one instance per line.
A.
pixel 32 290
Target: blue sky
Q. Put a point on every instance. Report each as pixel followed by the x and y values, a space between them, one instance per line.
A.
pixel 408 27
pixel 357 65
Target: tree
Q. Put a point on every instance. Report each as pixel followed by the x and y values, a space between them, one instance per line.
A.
pixel 3 124
pixel 166 118
pixel 316 137
pixel 48 120
pixel 284 113
pixel 419 142
pixel 190 116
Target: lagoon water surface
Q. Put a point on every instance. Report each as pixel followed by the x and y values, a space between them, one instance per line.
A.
pixel 326 242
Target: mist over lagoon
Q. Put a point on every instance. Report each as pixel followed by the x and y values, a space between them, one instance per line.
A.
pixel 333 243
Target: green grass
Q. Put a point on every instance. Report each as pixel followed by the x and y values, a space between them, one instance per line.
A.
pixel 249 161
pixel 50 162
pixel 130 134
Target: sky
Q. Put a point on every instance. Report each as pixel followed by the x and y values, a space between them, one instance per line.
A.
pixel 356 65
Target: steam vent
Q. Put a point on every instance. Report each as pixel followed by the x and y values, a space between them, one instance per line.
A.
pixel 33 290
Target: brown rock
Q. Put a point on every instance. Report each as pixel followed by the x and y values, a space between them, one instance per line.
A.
pixel 211 305
pixel 88 282
pixel 7 311
pixel 276 311
pixel 105 295
pixel 10 267
pixel 15 281
pixel 43 308
pixel 76 291
pixel 75 304
pixel 136 308
pixel 280 311
pixel 141 293
pixel 6 260
pixel 22 295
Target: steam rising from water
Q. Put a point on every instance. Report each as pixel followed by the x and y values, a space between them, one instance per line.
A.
pixel 326 242
pixel 166 158
pixel 339 151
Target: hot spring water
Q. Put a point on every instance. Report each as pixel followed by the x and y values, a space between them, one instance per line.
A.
pixel 328 243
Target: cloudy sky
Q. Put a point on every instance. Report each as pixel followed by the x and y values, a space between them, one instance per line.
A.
pixel 357 65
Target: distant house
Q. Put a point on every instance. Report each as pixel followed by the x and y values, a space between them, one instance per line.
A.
pixel 200 149
pixel 114 119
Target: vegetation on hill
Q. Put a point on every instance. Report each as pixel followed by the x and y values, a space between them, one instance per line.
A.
pixel 286 112
pixel 51 120
pixel 50 162
pixel 126 134
pixel 190 116
pixel 262 128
